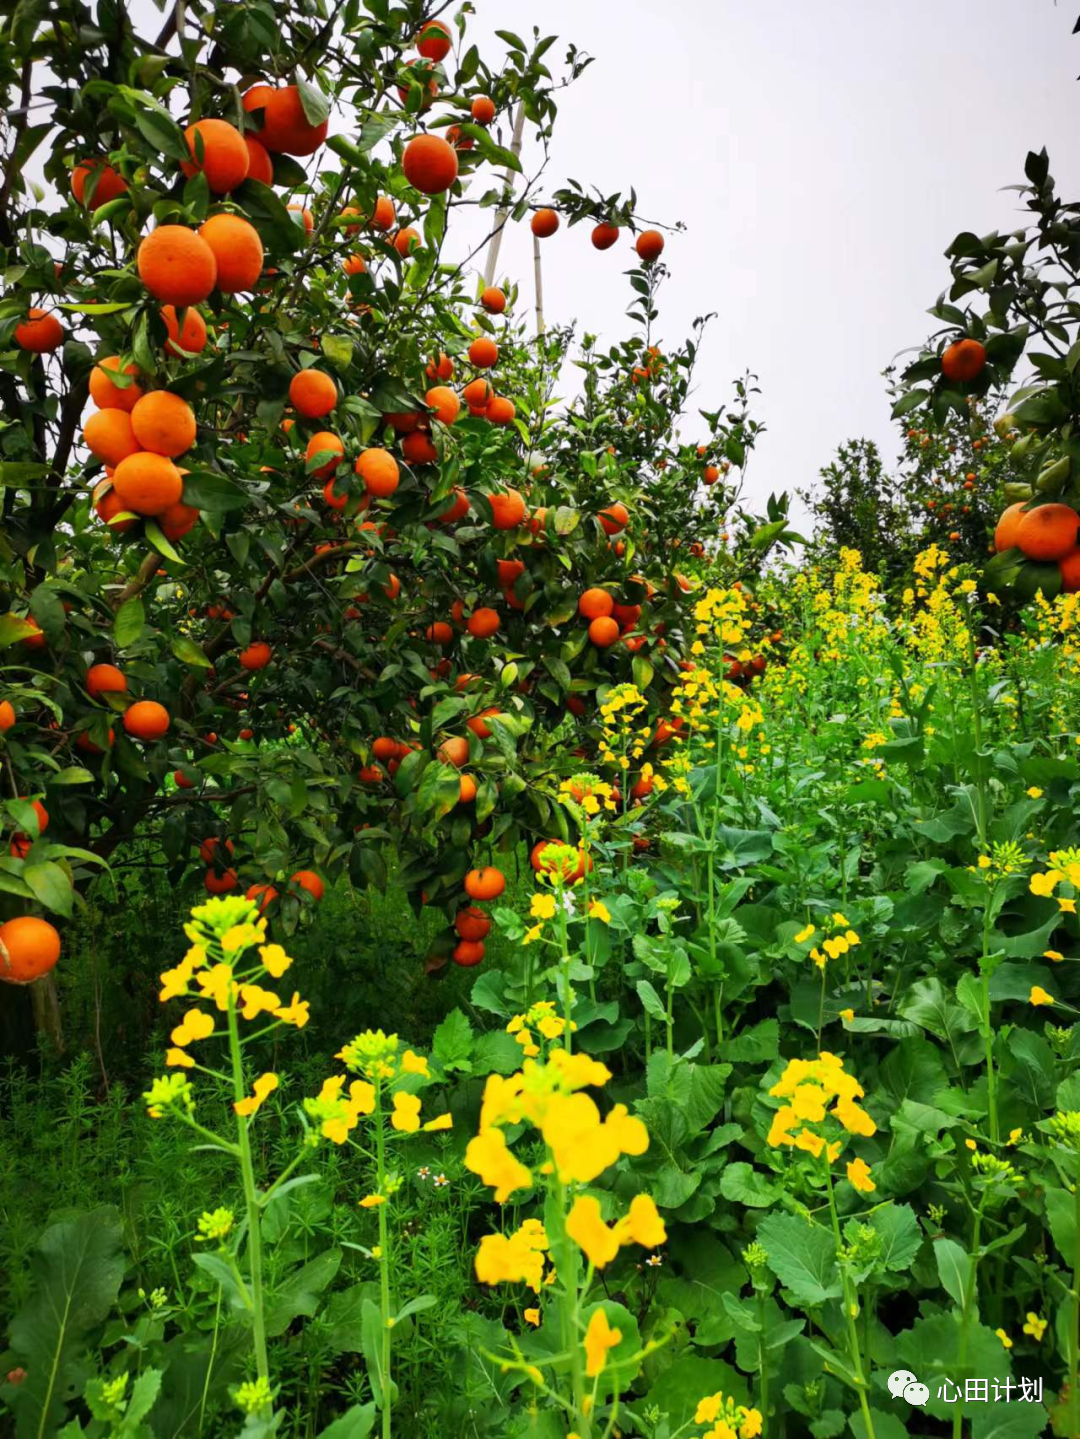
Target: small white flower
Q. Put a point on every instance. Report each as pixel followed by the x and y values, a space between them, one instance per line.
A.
pixel 441 1181
pixel 569 907
pixel 423 1172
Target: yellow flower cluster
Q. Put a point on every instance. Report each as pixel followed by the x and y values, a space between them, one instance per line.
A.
pixel 228 927
pixel 1065 871
pixel 374 1054
pixel 517 1258
pixel 807 1087
pixel 621 739
pixel 729 1420
pixel 541 1017
pixel 839 939
pixel 579 1143
pixel 723 615
pixel 590 792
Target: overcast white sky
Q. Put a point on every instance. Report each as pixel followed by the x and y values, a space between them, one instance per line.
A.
pixel 822 155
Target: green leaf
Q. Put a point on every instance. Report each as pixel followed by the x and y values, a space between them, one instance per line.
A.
pixel 453 1041
pixel 954 1269
pixel 439 789
pixel 51 886
pixel 205 490
pixel 742 1184
pixel 900 1234
pixel 188 652
pixel 355 1423
pixel 299 1294
pixel 162 132
pixel 338 351
pixel 803 1258
pixel 47 609
pixel 76 1272
pixel 129 622
pixel 13 630
pixel 313 102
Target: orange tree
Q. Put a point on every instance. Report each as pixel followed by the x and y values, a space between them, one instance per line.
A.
pixel 294 548
pixel 1025 284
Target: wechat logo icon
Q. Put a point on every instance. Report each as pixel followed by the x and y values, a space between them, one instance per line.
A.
pixel 904 1385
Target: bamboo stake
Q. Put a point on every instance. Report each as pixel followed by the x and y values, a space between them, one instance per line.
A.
pixel 504 210
pixel 538 273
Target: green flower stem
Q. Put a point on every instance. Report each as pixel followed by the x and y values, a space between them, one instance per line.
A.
pixel 384 1264
pixel 251 1199
pixel 564 966
pixel 988 1031
pixel 965 1312
pixel 1074 1317
pixel 764 1361
pixel 569 1305
pixel 850 1304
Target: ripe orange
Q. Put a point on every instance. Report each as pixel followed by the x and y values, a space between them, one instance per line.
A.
pixel 256 656
pixel 403 422
pixel 507 508
pixel 286 129
pixel 468 952
pixel 457 511
pixel 483 109
pixel 385 748
pixel 604 236
pixel 379 471
pixel 627 615
pixel 444 402
pixel 486 883
pixel 500 410
pixel 430 164
pixel 180 779
pixel 603 632
pixel 262 895
pixel 164 423
pixel 177 520
pixel 333 499
pixel 191 338
pixel 29 948
pixel 107 504
pixel 313 393
pixel 177 265
pixel 614 518
pixel 595 604
pixel 440 369
pixel 710 474
pixel 650 246
pixel 108 435
pixel 209 847
pixel 225 160
pixel 963 360
pixel 435 40
pixel 478 394
pixel 146 720
pixel 326 443
pixel 1005 535
pixel 483 622
pixel 418 449
pixel 509 570
pixel 7 716
pixel 468 789
pixel 39 333
pixel 544 223
pixel 1070 573
pixel 407 240
pixel 439 633
pixel 1048 532
pixel 454 751
pixel 307 219
pixel 105 394
pixel 472 923
pixel 110 183
pixel 483 353
pixel 309 880
pixel 260 165
pixel 384 214
pixel 493 300
pixel 478 724
pixel 220 883
pixel 354 265
pixel 147 483
pixel 237 250
pixel 105 679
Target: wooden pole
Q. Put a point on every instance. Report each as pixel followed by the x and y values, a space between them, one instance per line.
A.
pixel 504 209
pixel 538 273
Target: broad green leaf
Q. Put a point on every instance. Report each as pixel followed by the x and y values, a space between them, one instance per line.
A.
pixel 129 622
pixel 803 1258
